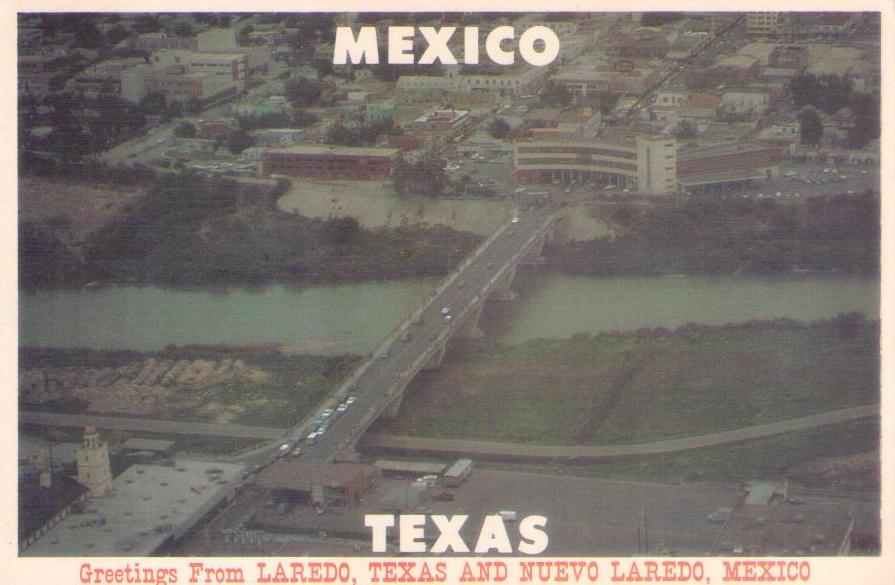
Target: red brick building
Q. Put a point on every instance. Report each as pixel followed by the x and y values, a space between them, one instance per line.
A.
pixel 331 162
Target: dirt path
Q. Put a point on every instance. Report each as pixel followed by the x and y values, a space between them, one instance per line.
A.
pixel 580 452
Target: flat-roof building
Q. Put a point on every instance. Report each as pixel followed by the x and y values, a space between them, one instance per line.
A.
pixel 148 507
pixel 646 163
pixel 331 162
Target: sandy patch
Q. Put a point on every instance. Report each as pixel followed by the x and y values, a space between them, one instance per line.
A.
pixel 87 207
pixel 374 205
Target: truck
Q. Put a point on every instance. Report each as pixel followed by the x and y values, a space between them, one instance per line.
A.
pixel 508 515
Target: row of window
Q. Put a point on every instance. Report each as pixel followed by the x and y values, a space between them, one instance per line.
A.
pixel 585 150
pixel 579 162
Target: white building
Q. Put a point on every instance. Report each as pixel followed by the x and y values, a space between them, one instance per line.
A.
pixel 94 471
pixel 742 101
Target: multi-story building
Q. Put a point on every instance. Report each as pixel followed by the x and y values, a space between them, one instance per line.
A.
pixel 201 89
pixel 715 166
pixel 280 137
pixel 229 66
pixel 764 23
pixel 450 122
pixel 159 40
pixel 331 162
pixel 754 101
pixel 789 56
pixel 507 82
pixel 645 163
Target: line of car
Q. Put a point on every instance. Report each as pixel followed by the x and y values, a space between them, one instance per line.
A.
pixel 327 416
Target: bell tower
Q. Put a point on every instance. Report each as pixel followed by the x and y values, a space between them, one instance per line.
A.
pixel 94 470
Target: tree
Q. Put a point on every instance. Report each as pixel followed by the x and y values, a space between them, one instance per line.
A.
pixel 87 36
pixel 341 230
pixel 242 35
pixel 426 177
pixel 827 93
pixel 556 95
pixel 239 140
pixel 303 92
pixel 342 135
pixel 146 23
pixel 185 130
pixel 685 130
pixel 303 119
pixel 499 128
pixel 116 34
pixel 811 129
pixel 324 67
pixel 867 123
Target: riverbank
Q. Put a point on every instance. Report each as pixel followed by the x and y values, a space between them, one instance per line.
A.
pixel 717 235
pixel 643 386
pixel 193 231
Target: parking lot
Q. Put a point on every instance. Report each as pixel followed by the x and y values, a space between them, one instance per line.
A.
pixel 585 516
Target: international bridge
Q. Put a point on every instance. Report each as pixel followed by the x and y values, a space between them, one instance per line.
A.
pixel 420 341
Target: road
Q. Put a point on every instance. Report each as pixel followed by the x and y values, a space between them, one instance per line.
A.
pixel 398 359
pixel 120 423
pixel 584 452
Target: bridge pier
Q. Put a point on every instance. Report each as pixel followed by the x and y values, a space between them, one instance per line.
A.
pixel 534 256
pixel 503 290
pixel 470 327
pixel 391 411
pixel 434 362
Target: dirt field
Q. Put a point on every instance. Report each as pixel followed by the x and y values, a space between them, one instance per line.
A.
pixel 259 388
pixel 374 205
pixel 86 207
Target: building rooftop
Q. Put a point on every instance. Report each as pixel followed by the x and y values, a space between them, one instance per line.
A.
pixel 148 505
pixel 141 444
pixel 409 466
pixel 338 150
pixel 720 149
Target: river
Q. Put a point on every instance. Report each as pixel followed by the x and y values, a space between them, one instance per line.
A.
pixel 354 318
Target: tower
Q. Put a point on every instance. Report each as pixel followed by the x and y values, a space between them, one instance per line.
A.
pixel 94 470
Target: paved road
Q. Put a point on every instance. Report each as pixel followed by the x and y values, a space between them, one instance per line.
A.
pixel 384 376
pixel 120 423
pixel 582 452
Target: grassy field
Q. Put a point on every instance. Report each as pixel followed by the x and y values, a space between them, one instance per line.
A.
pixel 643 387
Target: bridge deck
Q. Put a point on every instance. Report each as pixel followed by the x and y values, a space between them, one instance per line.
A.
pixel 381 380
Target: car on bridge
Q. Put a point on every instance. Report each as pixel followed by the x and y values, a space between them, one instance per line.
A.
pixel 445 311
